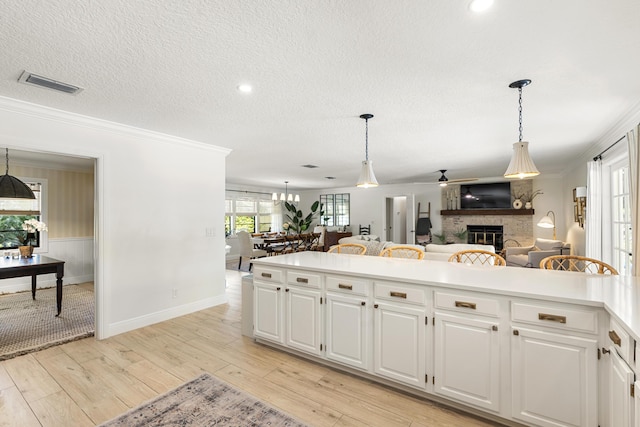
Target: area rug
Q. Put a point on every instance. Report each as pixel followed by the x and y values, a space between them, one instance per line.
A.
pixel 27 325
pixel 204 401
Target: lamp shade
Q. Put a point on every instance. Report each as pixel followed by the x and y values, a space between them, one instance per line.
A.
pixel 581 191
pixel 367 177
pixel 274 197
pixel 546 222
pixel 521 165
pixel 12 188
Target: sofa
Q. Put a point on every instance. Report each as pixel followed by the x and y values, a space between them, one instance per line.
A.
pixel 530 256
pixel 432 251
pixel 443 252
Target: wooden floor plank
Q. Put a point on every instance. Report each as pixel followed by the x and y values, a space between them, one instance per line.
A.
pixel 59 409
pixel 31 378
pixel 14 410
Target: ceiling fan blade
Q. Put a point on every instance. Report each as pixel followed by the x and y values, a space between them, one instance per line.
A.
pixel 453 181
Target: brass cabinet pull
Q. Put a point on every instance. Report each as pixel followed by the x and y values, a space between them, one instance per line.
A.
pixel 462 304
pixel 277 289
pixel 363 303
pixel 552 317
pixel 516 332
pixel 615 338
pixel 375 305
pixel 302 280
pixel 494 328
pixel 286 290
pixel 267 275
pixel 398 294
pixel 349 287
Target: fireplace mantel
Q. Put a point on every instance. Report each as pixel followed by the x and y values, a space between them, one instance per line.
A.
pixel 487 212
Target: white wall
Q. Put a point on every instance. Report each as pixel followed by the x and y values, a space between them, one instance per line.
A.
pixel 158 197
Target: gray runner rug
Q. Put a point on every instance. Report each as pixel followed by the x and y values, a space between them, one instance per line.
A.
pixel 27 325
pixel 204 401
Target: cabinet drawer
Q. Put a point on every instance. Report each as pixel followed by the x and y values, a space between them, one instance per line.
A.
pixel 348 285
pixel 465 303
pixel 301 278
pixel 268 274
pixel 620 339
pixel 551 316
pixel 399 293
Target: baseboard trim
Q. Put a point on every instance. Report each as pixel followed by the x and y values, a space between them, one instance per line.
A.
pixel 160 316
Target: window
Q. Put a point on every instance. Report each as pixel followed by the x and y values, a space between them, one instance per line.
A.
pixel 250 213
pixel 336 209
pixel 621 244
pixel 13 213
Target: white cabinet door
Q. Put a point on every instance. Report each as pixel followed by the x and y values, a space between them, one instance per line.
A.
pixel 348 330
pixel 621 403
pixel 467 360
pixel 554 378
pixel 268 311
pixel 399 343
pixel 304 321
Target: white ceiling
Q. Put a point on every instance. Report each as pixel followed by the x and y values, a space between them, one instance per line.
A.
pixel 434 74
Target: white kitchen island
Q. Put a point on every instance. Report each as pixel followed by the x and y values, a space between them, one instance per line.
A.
pixel 528 346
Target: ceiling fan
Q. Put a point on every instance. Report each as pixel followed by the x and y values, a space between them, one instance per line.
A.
pixel 443 181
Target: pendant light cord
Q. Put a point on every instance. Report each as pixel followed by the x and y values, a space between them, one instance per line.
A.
pixel 7 156
pixel 520 112
pixel 366 141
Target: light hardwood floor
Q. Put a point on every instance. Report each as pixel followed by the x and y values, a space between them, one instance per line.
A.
pixel 87 382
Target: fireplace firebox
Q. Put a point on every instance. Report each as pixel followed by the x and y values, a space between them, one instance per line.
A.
pixel 486 235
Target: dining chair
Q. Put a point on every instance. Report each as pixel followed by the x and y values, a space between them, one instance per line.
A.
pixel 247 250
pixel 348 248
pixel 577 263
pixel 401 251
pixel 477 257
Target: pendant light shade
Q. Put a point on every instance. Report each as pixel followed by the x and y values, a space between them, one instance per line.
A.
pixel 367 177
pixel 521 165
pixel 11 187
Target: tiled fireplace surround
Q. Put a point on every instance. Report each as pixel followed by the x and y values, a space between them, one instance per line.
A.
pixel 516 227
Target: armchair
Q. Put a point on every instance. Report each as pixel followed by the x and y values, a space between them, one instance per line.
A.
pixel 530 256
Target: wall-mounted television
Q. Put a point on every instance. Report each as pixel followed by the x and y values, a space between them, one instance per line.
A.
pixel 485 196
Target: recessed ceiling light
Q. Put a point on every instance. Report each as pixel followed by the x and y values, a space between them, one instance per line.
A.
pixel 480 5
pixel 330 177
pixel 245 88
pixel 309 166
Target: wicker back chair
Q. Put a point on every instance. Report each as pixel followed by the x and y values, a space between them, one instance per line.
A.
pixel 477 257
pixel 577 263
pixel 402 252
pixel 348 248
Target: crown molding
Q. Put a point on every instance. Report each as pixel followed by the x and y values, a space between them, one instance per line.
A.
pixel 47 113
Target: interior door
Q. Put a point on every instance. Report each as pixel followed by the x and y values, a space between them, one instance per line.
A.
pixel 400 219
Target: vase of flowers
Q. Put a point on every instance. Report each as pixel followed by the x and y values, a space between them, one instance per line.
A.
pixel 31 227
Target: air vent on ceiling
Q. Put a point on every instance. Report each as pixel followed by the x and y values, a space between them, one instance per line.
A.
pixel 36 80
pixel 330 177
pixel 309 166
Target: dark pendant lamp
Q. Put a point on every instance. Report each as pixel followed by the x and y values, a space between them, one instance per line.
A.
pixel 11 187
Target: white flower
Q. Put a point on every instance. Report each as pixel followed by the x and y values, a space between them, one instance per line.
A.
pixel 286 226
pixel 33 225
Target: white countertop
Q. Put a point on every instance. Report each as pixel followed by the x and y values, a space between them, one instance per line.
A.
pixel 617 294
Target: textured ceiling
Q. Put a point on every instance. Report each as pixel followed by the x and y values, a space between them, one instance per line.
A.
pixel 434 75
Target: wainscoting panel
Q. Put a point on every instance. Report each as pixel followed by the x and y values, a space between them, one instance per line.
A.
pixel 76 252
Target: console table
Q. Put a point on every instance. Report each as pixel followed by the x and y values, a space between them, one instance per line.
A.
pixel 332 237
pixel 37 264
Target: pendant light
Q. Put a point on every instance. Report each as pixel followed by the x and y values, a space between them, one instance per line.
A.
pixel 367 177
pixel 285 197
pixel 11 187
pixel 521 165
